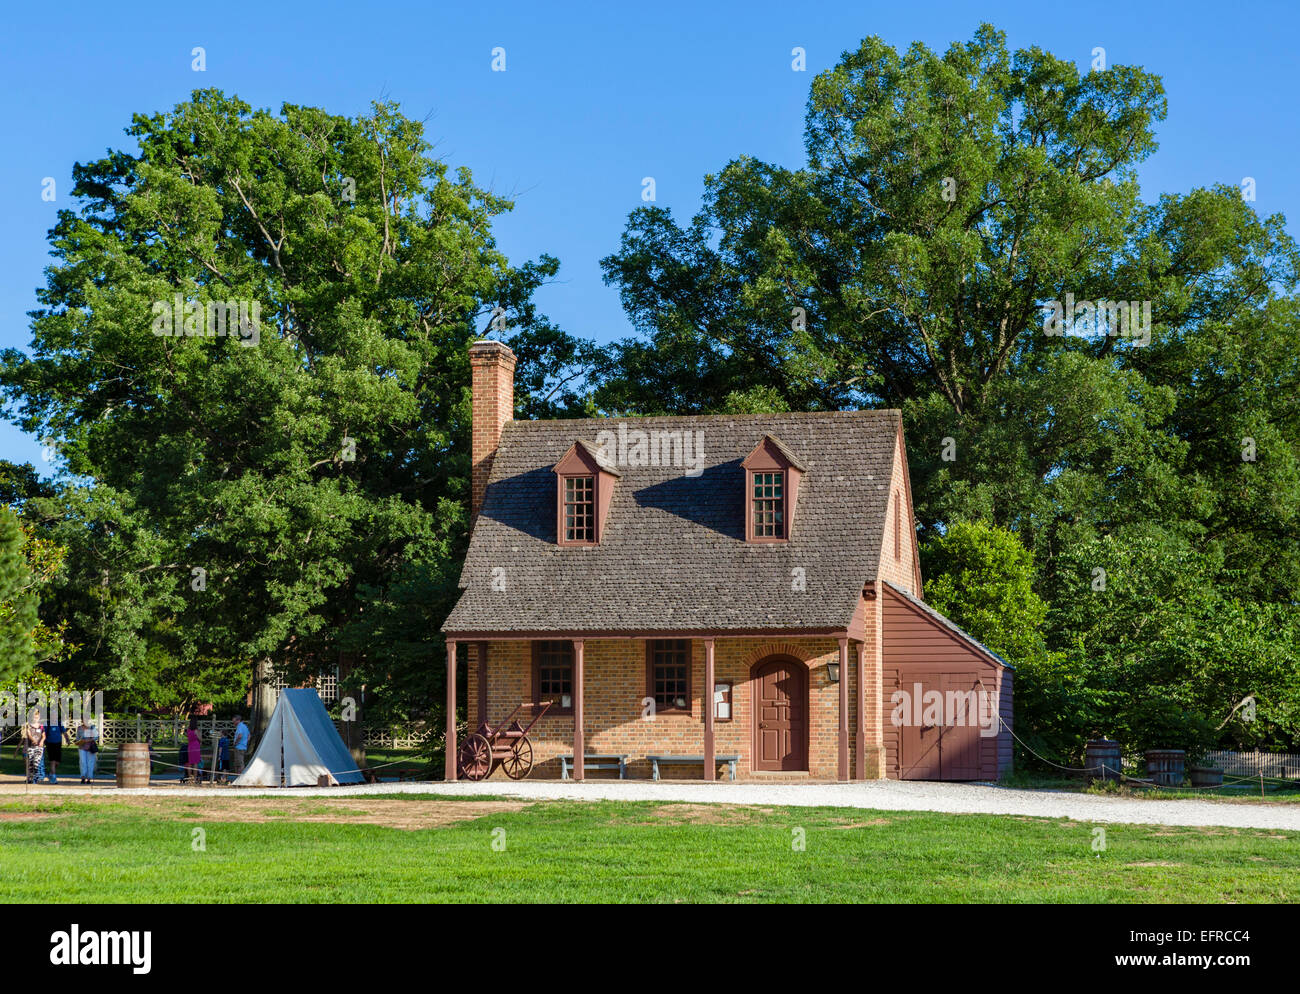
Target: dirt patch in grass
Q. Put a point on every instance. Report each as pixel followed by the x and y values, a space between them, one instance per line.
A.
pixel 368 812
pixel 707 814
pixel 432 814
pixel 1155 862
pixel 24 815
pixel 1196 829
pixel 343 811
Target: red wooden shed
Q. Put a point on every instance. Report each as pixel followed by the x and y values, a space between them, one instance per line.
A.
pixel 947 698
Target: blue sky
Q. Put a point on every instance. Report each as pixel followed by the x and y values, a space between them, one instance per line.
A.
pixel 594 98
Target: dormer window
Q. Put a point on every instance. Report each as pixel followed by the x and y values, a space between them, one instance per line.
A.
pixel 579 509
pixel 768 505
pixel 772 475
pixel 584 480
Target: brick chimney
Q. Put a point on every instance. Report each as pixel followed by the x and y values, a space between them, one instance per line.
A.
pixel 492 401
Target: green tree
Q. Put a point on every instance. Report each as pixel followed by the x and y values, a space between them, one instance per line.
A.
pixel 945 200
pixel 265 498
pixel 982 577
pixel 1175 647
pixel 947 203
pixel 18 601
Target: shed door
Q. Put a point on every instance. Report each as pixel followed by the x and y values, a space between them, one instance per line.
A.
pixel 780 714
pixel 943 742
pixel 959 747
pixel 919 739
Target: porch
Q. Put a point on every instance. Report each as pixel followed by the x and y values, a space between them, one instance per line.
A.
pixel 794 707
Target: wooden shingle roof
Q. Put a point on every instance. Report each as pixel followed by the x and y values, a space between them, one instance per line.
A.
pixel 673 556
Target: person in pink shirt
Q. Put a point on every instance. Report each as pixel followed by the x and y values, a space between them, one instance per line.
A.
pixel 195 750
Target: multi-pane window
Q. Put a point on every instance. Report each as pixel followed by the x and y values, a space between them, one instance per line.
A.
pixel 579 509
pixel 670 674
pixel 553 675
pixel 769 505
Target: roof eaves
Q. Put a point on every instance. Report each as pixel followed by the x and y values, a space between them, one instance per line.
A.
pixel 784 449
pixel 598 456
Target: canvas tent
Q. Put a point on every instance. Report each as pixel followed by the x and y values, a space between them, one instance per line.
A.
pixel 300 745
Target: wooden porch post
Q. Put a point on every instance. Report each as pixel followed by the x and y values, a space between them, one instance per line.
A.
pixel 844 710
pixel 578 744
pixel 710 766
pixel 450 772
pixel 860 677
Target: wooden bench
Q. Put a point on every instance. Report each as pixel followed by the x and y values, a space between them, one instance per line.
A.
pixel 603 761
pixel 656 760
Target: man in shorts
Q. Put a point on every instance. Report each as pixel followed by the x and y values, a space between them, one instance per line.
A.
pixel 54 736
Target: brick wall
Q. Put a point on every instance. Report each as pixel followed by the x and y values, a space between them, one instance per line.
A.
pixel 616 684
pixel 492 395
pixel 896 562
pixel 874 711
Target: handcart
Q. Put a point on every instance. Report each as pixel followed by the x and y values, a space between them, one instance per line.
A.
pixel 505 744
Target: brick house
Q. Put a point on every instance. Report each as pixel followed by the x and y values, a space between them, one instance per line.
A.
pixel 693 588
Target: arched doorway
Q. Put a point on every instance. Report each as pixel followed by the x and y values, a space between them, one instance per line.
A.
pixel 779 690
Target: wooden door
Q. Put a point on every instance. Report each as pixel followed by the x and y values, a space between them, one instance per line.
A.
pixel 780 714
pixel 960 747
pixel 949 748
pixel 921 756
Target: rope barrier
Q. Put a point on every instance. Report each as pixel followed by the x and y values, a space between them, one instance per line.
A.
pixel 368 769
pixel 1124 776
pixel 208 773
pixel 1102 767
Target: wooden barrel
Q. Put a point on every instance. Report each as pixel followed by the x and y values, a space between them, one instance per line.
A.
pixel 1099 753
pixel 1165 766
pixel 133 764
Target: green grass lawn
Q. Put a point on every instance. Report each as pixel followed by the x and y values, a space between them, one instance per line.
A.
pixel 403 763
pixel 115 850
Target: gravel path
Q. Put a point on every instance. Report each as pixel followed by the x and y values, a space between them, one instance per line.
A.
pixel 884 795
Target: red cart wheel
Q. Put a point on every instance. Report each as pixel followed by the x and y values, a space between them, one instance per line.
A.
pixel 520 761
pixel 475 758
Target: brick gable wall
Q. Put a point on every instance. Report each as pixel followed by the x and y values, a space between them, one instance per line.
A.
pixel 897 558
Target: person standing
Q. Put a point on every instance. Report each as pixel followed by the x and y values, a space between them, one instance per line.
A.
pixel 87 749
pixel 239 746
pixel 223 759
pixel 54 736
pixel 195 750
pixel 31 741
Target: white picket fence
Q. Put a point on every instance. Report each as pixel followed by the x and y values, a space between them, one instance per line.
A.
pixel 158 730
pixel 1284 765
pixel 410 736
